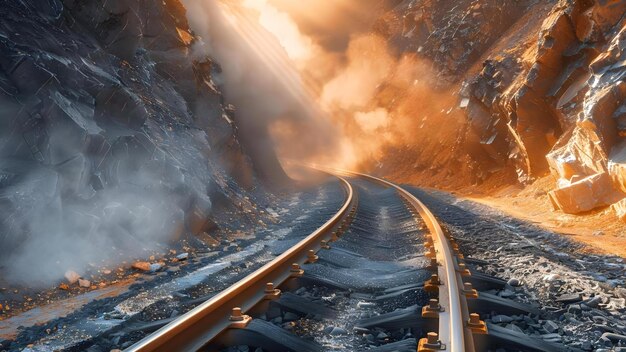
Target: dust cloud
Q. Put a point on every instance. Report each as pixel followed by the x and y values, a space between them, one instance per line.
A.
pixel 54 220
pixel 259 78
pixel 376 98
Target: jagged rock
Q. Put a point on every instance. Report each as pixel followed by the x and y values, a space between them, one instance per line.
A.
pixel 72 277
pixel 143 266
pixel 619 209
pixel 156 267
pixel 606 13
pixel 117 123
pixel 577 154
pixel 587 194
pixel 535 128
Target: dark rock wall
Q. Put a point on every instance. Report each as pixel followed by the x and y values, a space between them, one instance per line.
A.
pixel 112 134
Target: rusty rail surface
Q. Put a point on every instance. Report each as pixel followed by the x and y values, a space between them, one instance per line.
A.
pixel 454 333
pixel 201 325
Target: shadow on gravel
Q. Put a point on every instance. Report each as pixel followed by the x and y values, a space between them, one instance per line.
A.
pixel 478 220
pixel 580 297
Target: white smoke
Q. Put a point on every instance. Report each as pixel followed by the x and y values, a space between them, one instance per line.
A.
pixel 259 77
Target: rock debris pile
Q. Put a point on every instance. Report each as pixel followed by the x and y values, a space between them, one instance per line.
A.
pixel 580 298
pixel 541 86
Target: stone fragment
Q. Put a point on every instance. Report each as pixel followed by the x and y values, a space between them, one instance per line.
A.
pixel 155 267
pixel 71 276
pixel 593 302
pixel 551 326
pixel 569 298
pixel 182 256
pixel 619 209
pixel 84 283
pixel 513 282
pixel 143 266
pixel 574 309
pixel 514 328
pixel 551 337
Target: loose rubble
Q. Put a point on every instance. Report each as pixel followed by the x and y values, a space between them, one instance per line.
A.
pixel 581 294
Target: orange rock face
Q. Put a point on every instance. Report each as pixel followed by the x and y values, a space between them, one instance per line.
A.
pixel 620 209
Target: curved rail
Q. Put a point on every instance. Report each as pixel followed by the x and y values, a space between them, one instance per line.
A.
pixel 196 328
pixel 453 333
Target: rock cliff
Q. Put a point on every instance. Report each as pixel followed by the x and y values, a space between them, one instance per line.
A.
pixel 113 133
pixel 540 84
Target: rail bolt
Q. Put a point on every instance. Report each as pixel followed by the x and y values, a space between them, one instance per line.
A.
pixel 311 257
pixel 296 270
pixel 238 320
pixel 464 270
pixel 469 291
pixel 324 244
pixel 432 285
pixel 476 325
pixel 430 343
pixel 432 309
pixel 271 293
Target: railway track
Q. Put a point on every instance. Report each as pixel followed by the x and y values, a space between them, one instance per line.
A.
pixel 443 289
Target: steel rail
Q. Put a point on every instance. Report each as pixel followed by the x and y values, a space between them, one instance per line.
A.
pixel 453 333
pixel 201 325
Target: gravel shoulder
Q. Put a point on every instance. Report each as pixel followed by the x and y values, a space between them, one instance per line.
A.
pixel 582 293
pixel 82 320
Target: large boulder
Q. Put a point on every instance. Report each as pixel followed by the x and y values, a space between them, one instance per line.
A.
pixel 577 153
pixel 585 195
